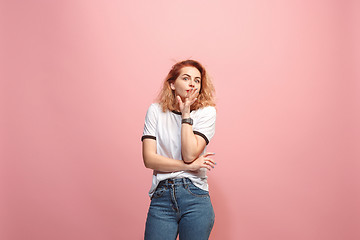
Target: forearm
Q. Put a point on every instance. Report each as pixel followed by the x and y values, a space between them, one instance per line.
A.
pixel 163 164
pixel 191 146
pixel 189 143
pixel 158 162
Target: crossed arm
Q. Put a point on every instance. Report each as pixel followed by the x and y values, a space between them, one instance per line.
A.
pixel 192 146
pixel 160 163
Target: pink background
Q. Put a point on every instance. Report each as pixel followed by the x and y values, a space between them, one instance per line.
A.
pixel 76 80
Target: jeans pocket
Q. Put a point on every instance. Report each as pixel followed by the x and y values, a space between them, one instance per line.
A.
pixel 159 192
pixel 196 191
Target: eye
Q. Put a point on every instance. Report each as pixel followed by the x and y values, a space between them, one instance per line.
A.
pixel 186 78
pixel 197 81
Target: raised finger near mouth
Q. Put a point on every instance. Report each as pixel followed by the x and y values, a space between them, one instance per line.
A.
pixel 193 93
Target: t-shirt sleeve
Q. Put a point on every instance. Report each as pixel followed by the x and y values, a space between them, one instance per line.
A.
pixel 150 123
pixel 205 124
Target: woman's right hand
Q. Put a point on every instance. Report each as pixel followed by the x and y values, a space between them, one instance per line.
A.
pixel 204 161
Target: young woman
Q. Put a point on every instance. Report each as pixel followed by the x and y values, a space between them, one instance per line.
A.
pixel 176 132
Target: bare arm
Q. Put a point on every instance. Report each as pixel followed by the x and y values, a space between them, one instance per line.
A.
pixel 157 162
pixel 192 145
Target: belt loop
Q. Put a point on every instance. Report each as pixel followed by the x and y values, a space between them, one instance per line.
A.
pixel 185 181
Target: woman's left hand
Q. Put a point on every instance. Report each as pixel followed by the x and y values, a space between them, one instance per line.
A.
pixel 204 161
pixel 190 98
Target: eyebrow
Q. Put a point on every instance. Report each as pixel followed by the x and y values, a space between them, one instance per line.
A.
pixel 190 76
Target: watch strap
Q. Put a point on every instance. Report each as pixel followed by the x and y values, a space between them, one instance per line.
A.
pixel 187 120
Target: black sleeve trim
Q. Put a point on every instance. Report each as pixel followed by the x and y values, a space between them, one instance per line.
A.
pixel 203 136
pixel 147 136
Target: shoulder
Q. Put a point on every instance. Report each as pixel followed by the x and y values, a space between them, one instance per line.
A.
pixel 153 112
pixel 210 109
pixel 154 108
pixel 207 111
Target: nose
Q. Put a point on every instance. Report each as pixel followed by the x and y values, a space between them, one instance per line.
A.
pixel 191 83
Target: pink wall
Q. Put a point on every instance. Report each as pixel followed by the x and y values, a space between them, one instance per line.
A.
pixel 77 77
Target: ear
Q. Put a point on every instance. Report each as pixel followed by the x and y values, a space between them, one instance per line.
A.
pixel 172 86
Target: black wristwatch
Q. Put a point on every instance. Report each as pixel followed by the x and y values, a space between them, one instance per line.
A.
pixel 187 120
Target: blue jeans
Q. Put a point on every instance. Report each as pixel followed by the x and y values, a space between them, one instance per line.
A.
pixel 179 207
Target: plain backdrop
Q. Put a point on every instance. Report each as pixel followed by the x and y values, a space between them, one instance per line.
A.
pixel 76 79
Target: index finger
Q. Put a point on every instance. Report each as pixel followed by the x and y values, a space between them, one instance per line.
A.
pixel 208 154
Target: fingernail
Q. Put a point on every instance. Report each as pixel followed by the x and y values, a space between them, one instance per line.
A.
pixel 215 163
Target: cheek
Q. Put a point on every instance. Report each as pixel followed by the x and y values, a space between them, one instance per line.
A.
pixel 182 85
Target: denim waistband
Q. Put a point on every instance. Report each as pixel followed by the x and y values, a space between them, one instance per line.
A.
pixel 174 181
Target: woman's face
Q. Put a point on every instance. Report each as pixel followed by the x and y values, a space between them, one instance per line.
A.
pixel 188 78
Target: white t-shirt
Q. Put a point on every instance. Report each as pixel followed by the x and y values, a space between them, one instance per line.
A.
pixel 165 128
